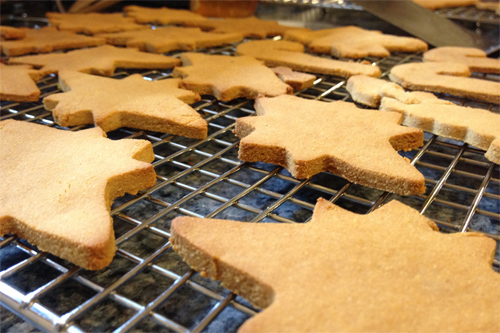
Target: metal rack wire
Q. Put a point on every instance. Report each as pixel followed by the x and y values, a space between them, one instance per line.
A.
pixel 147 287
pixel 468 13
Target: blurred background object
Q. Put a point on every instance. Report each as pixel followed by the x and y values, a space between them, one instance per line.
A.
pixel 224 8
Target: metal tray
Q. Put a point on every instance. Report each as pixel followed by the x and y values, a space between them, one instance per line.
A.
pixel 147 287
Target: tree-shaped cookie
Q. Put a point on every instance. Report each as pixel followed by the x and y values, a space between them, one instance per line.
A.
pixel 163 40
pixel 445 77
pixel 17 83
pixel 46 40
pixel 355 42
pixel 308 137
pixel 248 26
pixel 478 127
pixel 476 59
pixel 388 271
pixel 57 187
pixel 100 60
pixel 162 16
pixel 291 54
pixel 131 102
pixel 228 77
pixel 93 23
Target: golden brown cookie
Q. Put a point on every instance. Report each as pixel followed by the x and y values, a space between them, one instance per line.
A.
pixel 291 54
pixel 477 127
pixel 66 182
pixel 365 89
pixel 308 137
pixel 93 23
pixel 387 271
pixel 17 83
pixel 100 60
pixel 488 5
pixel 162 16
pixel 7 33
pixel 445 77
pixel 369 91
pixel 228 77
pixel 46 40
pixel 436 4
pixel 248 26
pixel 163 40
pixel 476 59
pixel 130 102
pixel 296 80
pixel 355 42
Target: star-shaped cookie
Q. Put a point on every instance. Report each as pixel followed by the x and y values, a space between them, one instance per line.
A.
pixel 56 187
pixel 46 40
pixel 163 40
pixel 308 137
pixel 100 60
pixel 291 54
pixel 478 127
pixel 248 26
pixel 445 77
pixel 387 271
pixel 355 42
pixel 93 23
pixel 131 102
pixel 476 59
pixel 17 83
pixel 162 16
pixel 228 77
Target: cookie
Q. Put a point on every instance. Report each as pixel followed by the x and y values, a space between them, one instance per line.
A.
pixel 93 23
pixel 296 80
pixel 365 89
pixel 369 91
pixel 436 4
pixel 477 127
pixel 7 33
pixel 46 40
pixel 228 77
pixel 387 271
pixel 248 27
pixel 445 77
pixel 161 16
pixel 130 102
pixel 355 42
pixel 476 59
pixel 66 182
pixel 17 83
pixel 308 137
pixel 488 5
pixel 102 60
pixel 163 40
pixel 291 54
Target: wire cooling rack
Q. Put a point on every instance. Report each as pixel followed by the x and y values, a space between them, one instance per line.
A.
pixel 147 287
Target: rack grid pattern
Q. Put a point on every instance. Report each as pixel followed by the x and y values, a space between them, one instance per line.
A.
pixel 147 287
